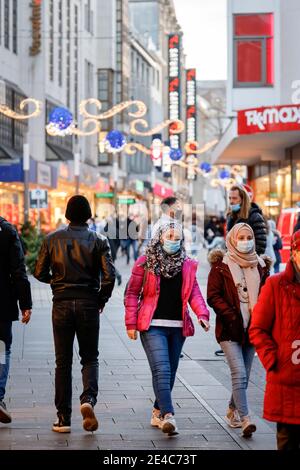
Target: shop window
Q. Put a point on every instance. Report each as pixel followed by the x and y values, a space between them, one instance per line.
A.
pixel 253 50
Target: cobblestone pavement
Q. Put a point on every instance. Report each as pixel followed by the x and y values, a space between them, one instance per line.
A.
pixel 126 398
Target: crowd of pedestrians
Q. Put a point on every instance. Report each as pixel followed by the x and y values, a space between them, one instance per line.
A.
pixel 257 308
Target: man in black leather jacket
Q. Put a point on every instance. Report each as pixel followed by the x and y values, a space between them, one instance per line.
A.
pixel 77 263
pixel 14 289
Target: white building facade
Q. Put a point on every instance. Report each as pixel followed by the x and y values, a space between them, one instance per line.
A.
pixel 263 100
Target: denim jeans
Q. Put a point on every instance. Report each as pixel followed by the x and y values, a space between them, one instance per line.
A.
pixel 5 346
pixel 239 358
pixel 163 346
pixel 80 318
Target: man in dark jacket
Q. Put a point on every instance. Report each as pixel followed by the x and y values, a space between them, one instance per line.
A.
pixel 242 210
pixel 14 288
pixel 78 265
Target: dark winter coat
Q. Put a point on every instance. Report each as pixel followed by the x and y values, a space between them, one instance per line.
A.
pixel 275 333
pixel 73 260
pixel 256 222
pixel 223 297
pixel 14 284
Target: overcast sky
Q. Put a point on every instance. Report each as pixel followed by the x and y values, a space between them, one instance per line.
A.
pixel 204 26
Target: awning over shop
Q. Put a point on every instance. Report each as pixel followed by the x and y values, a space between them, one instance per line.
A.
pixel 7 153
pixel 250 149
pixel 39 173
pixel 55 153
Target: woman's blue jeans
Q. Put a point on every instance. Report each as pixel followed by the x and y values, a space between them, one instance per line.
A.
pixel 163 346
pixel 239 358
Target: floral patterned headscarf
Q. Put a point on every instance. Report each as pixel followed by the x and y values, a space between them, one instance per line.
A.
pixel 158 261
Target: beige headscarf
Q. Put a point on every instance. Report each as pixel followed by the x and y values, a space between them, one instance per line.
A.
pixel 243 264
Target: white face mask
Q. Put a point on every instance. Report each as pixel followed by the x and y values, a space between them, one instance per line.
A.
pixel 245 246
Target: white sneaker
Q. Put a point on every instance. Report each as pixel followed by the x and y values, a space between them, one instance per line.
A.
pixel 156 420
pixel 232 418
pixel 168 425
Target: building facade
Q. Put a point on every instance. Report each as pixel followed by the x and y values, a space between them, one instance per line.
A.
pixel 263 100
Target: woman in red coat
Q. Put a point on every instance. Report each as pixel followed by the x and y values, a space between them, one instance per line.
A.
pixel 275 333
pixel 233 286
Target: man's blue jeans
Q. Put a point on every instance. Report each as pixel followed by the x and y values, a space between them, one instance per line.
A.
pixel 5 345
pixel 163 346
pixel 239 358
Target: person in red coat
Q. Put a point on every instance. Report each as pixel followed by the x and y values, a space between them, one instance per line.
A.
pixel 233 286
pixel 275 333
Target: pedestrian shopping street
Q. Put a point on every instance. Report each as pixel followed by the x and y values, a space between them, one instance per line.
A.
pixel 125 400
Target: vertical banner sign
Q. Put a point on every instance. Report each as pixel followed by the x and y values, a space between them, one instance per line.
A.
pixel 36 21
pixel 191 115
pixel 174 85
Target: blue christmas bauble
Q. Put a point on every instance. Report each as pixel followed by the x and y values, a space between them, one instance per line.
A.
pixel 115 140
pixel 61 118
pixel 224 174
pixel 175 154
pixel 206 167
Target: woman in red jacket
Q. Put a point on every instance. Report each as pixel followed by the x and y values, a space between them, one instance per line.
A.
pixel 233 286
pixel 161 285
pixel 275 333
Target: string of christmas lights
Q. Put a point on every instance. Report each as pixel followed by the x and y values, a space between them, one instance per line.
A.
pixel 176 127
pixel 118 108
pixel 4 109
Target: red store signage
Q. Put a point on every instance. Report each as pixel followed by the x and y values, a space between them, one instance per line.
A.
pixel 174 85
pixel 269 119
pixel 191 105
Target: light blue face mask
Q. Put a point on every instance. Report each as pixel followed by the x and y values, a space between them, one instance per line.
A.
pixel 245 246
pixel 171 246
pixel 235 207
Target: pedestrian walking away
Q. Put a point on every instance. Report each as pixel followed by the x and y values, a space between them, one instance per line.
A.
pixel 275 333
pixel 162 284
pixel 78 264
pixel 234 282
pixel 15 294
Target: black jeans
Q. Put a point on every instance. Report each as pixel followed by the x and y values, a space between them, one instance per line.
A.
pixel 80 317
pixel 288 436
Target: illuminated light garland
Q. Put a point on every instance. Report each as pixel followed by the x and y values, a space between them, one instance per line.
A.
pixel 86 122
pixel 54 131
pixel 132 147
pixel 176 127
pixel 225 183
pixel 118 108
pixel 4 109
pixel 192 147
